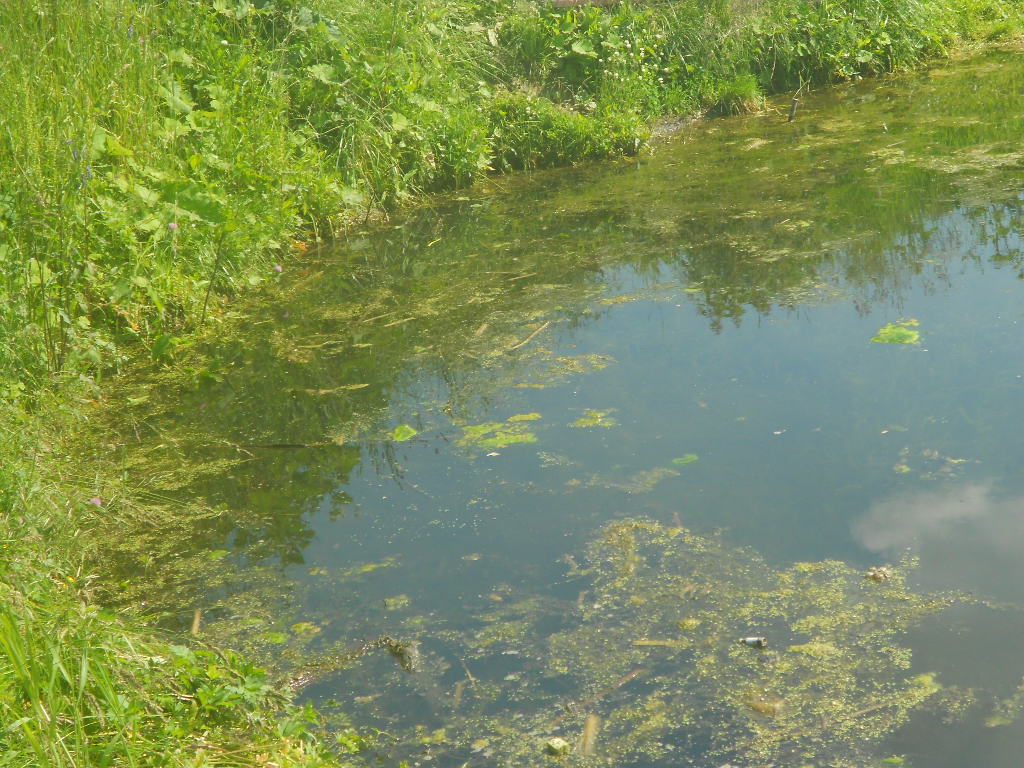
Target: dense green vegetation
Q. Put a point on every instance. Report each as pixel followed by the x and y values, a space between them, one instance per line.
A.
pixel 161 155
pixel 81 685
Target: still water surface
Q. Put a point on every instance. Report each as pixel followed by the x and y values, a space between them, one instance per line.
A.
pixel 684 338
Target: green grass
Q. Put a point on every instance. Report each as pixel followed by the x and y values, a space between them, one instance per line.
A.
pixel 163 155
pixel 82 687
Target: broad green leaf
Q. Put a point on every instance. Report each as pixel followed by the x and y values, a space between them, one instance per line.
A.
pixel 399 122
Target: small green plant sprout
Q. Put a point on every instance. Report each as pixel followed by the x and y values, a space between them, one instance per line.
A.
pixel 900 332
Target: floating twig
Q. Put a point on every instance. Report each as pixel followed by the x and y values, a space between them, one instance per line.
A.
pixel 469 674
pixel 641 642
pixel 588 739
pixel 529 338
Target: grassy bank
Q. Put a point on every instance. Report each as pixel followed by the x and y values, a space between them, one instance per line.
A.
pixel 162 156
pixel 83 686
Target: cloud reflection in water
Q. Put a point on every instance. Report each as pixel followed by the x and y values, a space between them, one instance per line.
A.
pixel 968 536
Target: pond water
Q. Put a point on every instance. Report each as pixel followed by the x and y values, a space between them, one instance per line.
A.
pixel 421 429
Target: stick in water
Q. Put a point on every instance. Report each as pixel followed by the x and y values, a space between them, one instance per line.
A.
pixel 588 740
pixel 529 338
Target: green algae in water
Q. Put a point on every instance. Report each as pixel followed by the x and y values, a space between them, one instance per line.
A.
pixel 594 418
pixel 396 603
pixel 1008 710
pixel 552 370
pixel 305 628
pixel 639 482
pixel 650 647
pixel 497 434
pixel 524 417
pixel 902 332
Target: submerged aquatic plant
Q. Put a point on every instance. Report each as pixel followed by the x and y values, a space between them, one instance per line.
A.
pixel 654 652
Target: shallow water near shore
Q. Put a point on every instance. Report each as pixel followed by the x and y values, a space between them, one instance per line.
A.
pixel 426 425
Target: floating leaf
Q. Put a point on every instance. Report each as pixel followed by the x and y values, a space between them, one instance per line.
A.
pixel 688 458
pixel 403 432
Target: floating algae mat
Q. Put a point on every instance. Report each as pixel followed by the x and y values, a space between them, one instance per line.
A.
pixel 680 644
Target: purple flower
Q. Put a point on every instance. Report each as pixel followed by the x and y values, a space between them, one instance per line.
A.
pixel 173 226
pixel 96 501
pixel 278 268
